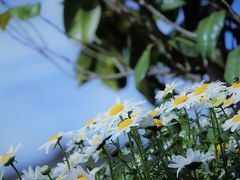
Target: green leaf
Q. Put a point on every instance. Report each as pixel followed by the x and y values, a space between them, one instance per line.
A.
pixel 21 12
pixel 82 24
pixel 142 66
pixel 4 19
pixel 26 12
pixel 185 46
pixel 210 136
pixel 86 62
pixel 232 69
pixel 168 5
pixel 208 32
pixel 138 40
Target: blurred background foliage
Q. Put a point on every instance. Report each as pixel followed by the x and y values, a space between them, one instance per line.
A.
pixel 152 40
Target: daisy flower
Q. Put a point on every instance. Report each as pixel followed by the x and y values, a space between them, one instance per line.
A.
pixel 168 89
pixel 205 91
pixel 193 159
pixel 164 120
pixel 180 101
pixel 124 126
pixel 216 100
pixel 9 156
pixel 235 88
pixel 152 113
pixel 31 174
pixel 77 139
pixel 228 102
pixel 233 123
pixel 80 174
pixel 122 109
pixel 52 141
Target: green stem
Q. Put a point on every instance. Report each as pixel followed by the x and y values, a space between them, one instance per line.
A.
pixel 134 159
pixel 145 173
pixel 188 125
pixel 109 162
pixel 49 177
pixel 221 142
pixel 224 112
pixel 198 121
pixel 195 174
pixel 64 154
pixel 15 169
pixel 125 162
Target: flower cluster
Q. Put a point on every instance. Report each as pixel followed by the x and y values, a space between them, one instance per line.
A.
pixel 192 134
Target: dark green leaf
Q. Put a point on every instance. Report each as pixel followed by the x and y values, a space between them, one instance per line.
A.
pixel 86 62
pixel 142 66
pixel 106 67
pixel 81 24
pixel 4 19
pixel 208 32
pixel 210 136
pixel 26 12
pixel 232 69
pixel 168 5
pixel 185 46
pixel 21 12
pixel 137 41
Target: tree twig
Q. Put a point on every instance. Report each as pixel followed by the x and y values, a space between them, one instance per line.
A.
pixel 163 17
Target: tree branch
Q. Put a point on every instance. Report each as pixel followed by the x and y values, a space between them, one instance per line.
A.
pixel 163 17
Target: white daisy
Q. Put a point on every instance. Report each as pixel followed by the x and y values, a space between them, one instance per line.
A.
pixel 180 101
pixel 192 157
pixel 235 88
pixel 54 139
pixel 204 91
pixel 124 126
pixel 164 120
pixel 168 89
pixel 122 109
pixel 79 174
pixel 78 137
pixel 9 155
pixel 233 123
pixel 31 174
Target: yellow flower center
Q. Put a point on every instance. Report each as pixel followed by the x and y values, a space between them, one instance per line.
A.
pixel 203 99
pixel 97 138
pixel 224 145
pixel 74 160
pixel 168 89
pixel 236 118
pixel 180 99
pixel 52 138
pixel 89 122
pixel 5 157
pixel 124 124
pixel 217 101
pixel 152 113
pixel 81 178
pixel 157 122
pixel 116 109
pixel 227 101
pixel 200 89
pixel 236 85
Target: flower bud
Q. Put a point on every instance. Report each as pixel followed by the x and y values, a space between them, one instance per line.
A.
pixel 45 170
pixel 128 145
pixel 115 153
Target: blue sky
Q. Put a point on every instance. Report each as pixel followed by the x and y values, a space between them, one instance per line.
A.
pixel 37 100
